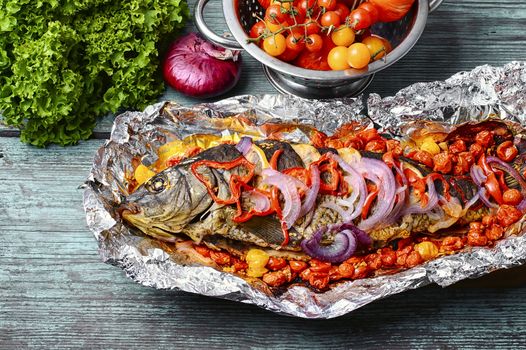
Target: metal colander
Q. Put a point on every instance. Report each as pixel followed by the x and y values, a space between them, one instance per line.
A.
pixel 241 15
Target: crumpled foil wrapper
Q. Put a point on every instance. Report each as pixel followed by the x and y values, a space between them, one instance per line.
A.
pixel 467 96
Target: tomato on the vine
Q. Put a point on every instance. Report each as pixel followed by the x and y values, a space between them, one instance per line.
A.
pixel 274 15
pixel 275 44
pixel 337 58
pixel 342 10
pixel 273 28
pixel 258 29
pixel 330 18
pixel 329 5
pixel 312 27
pixel 316 60
pixel 343 36
pixel 307 8
pixel 295 42
pixel 358 56
pixel 314 42
pixel 373 11
pixel 359 19
pixel 287 5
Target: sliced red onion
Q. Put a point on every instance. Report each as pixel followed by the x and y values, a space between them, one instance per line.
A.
pixel 477 174
pixel 342 248
pixel 287 187
pixel 312 192
pixel 484 197
pixel 472 201
pixel 379 173
pixel 396 213
pixel 357 183
pixel 244 145
pixel 338 209
pixel 431 202
pixel 495 162
pixel 261 202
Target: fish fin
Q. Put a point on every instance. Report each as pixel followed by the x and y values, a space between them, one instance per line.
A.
pixel 267 228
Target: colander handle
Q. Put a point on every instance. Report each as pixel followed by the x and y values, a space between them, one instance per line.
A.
pixel 208 33
pixel 433 4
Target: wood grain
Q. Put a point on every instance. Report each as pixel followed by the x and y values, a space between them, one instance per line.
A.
pixel 55 292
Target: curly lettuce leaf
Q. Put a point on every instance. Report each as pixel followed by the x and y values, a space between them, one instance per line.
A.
pixel 65 63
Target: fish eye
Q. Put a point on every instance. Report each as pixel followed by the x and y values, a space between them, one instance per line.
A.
pixel 157 184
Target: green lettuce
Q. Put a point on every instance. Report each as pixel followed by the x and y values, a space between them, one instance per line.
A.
pixel 65 63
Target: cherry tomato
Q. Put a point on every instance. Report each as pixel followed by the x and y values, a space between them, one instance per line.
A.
pixel 258 29
pixel 274 15
pixel 329 5
pixel 273 27
pixel 295 42
pixel 307 8
pixel 376 47
pixel 284 4
pixel 330 18
pixel 343 36
pixel 296 16
pixel 358 56
pixel 342 10
pixel 289 55
pixel 373 11
pixel 316 60
pixel 337 58
pixel 264 3
pixel 314 43
pixel 359 19
pixel 512 196
pixel 312 27
pixel 275 45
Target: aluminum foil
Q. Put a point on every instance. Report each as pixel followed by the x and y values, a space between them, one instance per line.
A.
pixel 485 91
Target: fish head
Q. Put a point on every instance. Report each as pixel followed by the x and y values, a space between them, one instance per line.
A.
pixel 166 203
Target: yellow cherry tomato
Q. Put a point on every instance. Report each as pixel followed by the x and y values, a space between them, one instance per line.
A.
pixel 358 56
pixel 376 47
pixel 275 44
pixel 337 58
pixel 273 27
pixel 343 36
pixel 287 5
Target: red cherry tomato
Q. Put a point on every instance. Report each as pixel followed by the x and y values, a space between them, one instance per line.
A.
pixel 359 19
pixel 312 27
pixel 330 18
pixel 373 11
pixel 296 15
pixel 314 43
pixel 274 14
pixel 316 60
pixel 257 29
pixel 342 10
pixel 307 8
pixel 264 3
pixel 288 55
pixel 295 42
pixel 329 5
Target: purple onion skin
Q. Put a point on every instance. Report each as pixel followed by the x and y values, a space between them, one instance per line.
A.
pixel 343 249
pixel 199 68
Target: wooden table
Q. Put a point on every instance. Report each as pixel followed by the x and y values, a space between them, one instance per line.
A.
pixel 55 291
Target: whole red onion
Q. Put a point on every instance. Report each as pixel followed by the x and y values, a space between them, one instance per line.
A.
pixel 199 68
